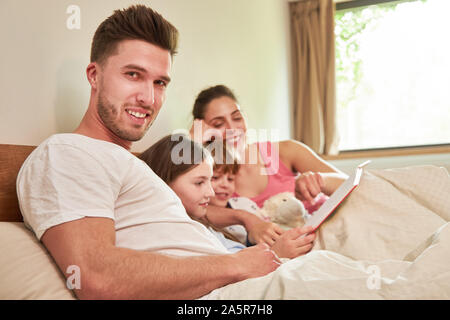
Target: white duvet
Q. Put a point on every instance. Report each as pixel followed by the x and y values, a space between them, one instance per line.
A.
pixel 389 240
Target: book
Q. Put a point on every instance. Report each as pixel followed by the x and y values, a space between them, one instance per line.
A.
pixel 341 193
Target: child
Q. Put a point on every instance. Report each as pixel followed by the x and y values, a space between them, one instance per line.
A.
pixel 224 170
pixel 187 168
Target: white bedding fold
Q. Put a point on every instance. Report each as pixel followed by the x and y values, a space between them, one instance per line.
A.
pixel 389 240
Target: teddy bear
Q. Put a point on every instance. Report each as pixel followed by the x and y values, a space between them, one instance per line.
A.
pixel 285 210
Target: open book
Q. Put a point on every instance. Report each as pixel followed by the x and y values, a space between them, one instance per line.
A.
pixel 336 198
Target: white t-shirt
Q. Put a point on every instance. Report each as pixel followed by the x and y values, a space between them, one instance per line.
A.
pixel 71 176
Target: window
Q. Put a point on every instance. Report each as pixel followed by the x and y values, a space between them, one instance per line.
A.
pixel 393 73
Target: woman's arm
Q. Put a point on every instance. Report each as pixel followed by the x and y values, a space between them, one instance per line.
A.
pixel 258 229
pixel 316 175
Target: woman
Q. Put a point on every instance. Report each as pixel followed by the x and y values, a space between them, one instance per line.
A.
pixel 217 113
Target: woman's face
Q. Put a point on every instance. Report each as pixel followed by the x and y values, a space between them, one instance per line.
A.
pixel 224 114
pixel 223 185
pixel 194 189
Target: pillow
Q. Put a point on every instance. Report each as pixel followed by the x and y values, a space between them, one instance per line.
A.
pixel 27 271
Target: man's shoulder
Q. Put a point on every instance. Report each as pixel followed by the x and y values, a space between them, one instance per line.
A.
pixel 86 145
pixel 79 140
pixel 65 150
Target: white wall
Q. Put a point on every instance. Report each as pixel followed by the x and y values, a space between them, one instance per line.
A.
pixel 243 44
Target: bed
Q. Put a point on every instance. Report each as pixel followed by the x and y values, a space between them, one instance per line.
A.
pixel 390 239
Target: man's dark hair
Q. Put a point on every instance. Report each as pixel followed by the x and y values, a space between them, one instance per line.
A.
pixel 137 22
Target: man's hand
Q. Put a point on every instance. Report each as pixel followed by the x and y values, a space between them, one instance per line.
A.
pixel 308 185
pixel 291 244
pixel 256 261
pixel 260 231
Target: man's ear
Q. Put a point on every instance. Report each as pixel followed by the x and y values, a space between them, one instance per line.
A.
pixel 92 74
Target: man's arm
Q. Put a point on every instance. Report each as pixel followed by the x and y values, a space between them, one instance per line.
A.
pixel 110 272
pixel 259 231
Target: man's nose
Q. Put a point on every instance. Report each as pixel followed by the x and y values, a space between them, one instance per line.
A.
pixel 146 94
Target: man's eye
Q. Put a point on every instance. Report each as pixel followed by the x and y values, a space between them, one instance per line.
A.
pixel 199 183
pixel 161 83
pixel 133 74
pixel 217 124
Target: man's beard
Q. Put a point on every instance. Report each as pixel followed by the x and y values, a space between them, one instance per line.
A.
pixel 108 113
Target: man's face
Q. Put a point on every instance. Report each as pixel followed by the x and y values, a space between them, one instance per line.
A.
pixel 132 88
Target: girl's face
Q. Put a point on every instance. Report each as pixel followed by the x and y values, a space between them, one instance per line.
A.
pixel 194 189
pixel 223 185
pixel 224 114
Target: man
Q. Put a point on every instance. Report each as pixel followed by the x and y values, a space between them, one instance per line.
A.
pixel 96 206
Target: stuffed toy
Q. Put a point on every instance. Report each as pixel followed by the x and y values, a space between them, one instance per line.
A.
pixel 285 210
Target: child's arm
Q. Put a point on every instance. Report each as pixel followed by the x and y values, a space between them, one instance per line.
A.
pixel 258 230
pixel 291 244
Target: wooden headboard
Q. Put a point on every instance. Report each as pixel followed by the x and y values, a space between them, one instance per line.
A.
pixel 11 159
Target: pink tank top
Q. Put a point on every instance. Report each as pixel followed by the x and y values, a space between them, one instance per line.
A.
pixel 280 179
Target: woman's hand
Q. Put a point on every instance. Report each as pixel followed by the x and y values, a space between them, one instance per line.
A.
pixel 291 244
pixel 308 185
pixel 317 173
pixel 201 132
